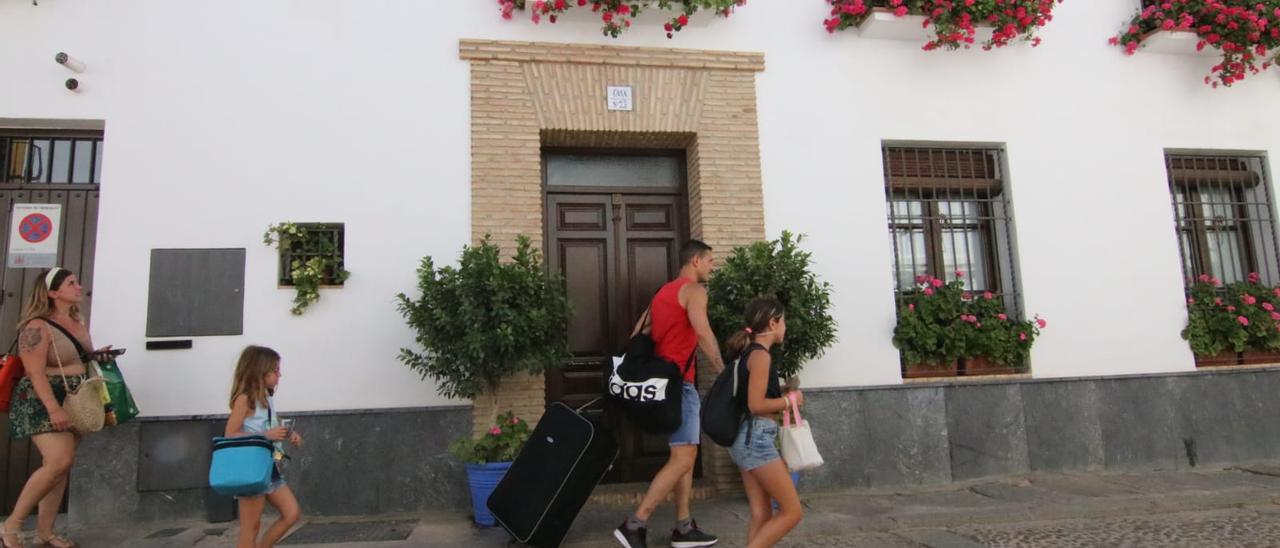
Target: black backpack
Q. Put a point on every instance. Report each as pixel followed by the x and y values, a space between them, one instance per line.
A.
pixel 646 388
pixel 724 409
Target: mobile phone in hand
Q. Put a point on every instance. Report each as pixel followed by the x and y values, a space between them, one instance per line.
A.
pixel 102 356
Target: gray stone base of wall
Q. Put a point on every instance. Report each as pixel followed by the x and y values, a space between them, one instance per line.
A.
pixel 352 463
pixel 396 461
pixel 937 433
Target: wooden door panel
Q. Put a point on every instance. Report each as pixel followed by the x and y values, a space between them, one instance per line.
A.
pixel 614 249
pixel 584 264
pixel 78 235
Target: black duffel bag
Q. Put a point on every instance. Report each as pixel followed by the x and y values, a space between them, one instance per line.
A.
pixel 646 388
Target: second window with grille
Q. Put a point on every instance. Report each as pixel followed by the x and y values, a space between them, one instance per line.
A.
pixel 1223 208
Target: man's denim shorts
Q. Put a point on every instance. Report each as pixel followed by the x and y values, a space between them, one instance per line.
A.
pixel 690 431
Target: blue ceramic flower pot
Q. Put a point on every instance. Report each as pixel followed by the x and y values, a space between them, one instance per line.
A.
pixel 483 478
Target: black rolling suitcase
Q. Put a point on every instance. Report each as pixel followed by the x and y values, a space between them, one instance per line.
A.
pixel 552 477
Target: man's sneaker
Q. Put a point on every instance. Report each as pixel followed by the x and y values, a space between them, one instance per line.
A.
pixel 632 539
pixel 693 539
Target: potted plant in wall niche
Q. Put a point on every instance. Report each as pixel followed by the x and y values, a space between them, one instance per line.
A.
pixel 311 257
pixel 483 320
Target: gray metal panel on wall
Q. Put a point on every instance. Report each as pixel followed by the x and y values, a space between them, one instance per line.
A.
pixel 1064 432
pixel 104 481
pixel 175 454
pixel 986 431
pixel 196 292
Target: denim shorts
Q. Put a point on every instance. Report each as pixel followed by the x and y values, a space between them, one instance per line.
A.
pixel 761 450
pixel 690 431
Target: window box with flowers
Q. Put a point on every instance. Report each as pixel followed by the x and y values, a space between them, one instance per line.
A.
pixel 1174 42
pixel 617 15
pixel 956 24
pixel 1234 324
pixel 1242 33
pixel 944 330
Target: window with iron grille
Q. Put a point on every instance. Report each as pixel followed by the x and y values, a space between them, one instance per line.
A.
pixel 55 158
pixel 1222 204
pixel 319 240
pixel 948 214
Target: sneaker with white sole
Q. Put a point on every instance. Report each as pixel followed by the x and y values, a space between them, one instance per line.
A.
pixel 695 538
pixel 629 538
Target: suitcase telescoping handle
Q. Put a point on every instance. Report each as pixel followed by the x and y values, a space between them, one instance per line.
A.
pixel 588 404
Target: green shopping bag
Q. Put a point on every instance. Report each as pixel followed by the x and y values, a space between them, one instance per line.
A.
pixel 121 400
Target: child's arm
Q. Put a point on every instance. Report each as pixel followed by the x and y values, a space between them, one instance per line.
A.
pixel 239 410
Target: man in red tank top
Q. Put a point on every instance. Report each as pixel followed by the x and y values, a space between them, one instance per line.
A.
pixel 679 327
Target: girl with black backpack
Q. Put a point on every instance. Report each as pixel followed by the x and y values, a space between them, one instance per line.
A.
pixel 764 475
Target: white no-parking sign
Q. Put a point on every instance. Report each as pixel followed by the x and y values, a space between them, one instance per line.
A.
pixel 33 235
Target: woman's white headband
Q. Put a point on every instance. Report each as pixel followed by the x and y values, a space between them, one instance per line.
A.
pixel 48 278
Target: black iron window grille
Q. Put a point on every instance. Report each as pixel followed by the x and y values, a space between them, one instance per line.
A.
pixel 948 215
pixel 1225 219
pixel 325 241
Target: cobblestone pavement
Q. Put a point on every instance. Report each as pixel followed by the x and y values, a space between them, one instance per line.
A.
pixel 1242 528
pixel 1223 528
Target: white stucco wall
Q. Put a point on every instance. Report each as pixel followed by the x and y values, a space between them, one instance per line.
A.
pixel 221 119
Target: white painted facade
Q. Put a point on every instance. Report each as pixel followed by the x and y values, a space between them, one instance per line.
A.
pixel 222 119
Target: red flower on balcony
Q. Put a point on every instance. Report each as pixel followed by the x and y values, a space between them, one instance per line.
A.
pixel 617 15
pixel 955 22
pixel 1245 32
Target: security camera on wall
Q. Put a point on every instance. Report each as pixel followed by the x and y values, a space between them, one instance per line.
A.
pixel 75 65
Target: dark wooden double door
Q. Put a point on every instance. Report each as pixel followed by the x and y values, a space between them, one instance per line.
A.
pixel 614 250
pixel 43 167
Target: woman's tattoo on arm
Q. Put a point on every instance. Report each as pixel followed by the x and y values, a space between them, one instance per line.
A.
pixel 29 339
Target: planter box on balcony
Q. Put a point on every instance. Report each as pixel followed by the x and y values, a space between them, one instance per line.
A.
pixel 1225 358
pixel 1175 42
pixel 929 370
pixel 881 23
pixel 983 366
pixel 1256 357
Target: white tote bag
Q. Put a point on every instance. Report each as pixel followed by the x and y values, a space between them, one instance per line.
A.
pixel 798 449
